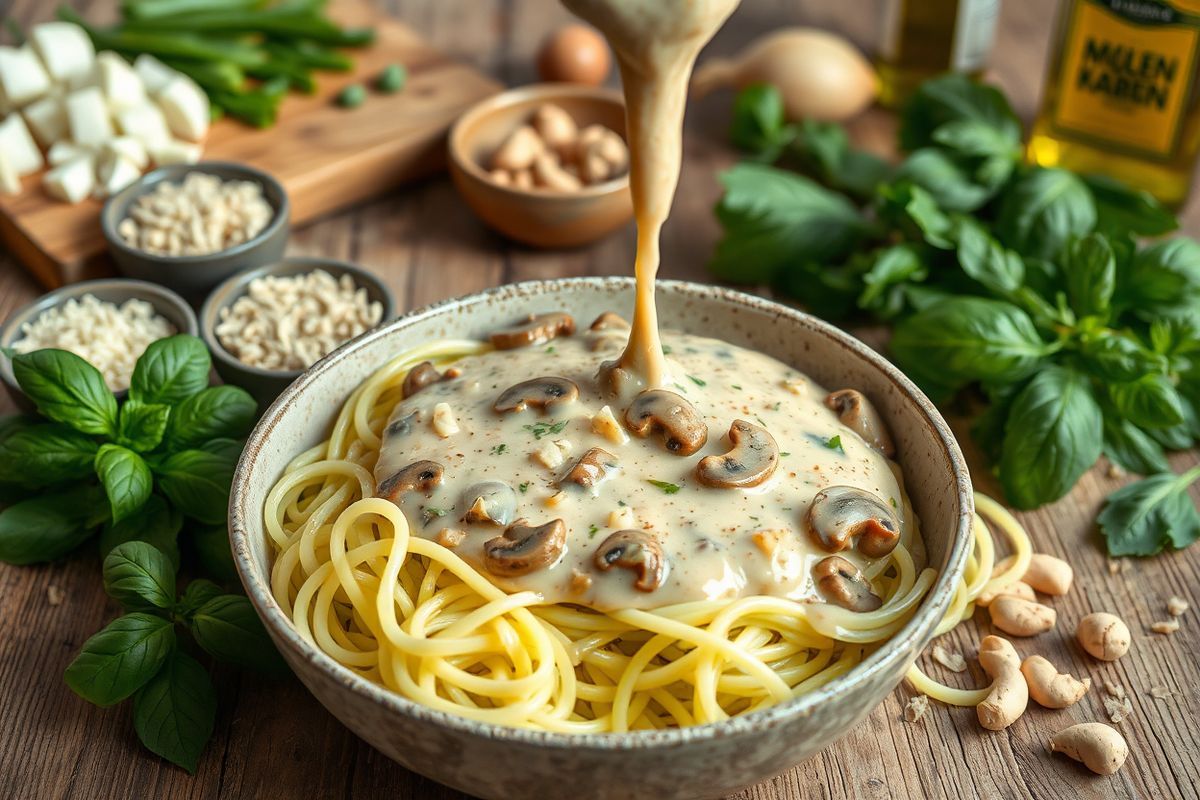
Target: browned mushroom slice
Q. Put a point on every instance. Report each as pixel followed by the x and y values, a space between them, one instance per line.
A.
pixel 842 584
pixel 403 426
pixel 540 393
pixel 524 548
pixel 839 515
pixel 750 461
pixel 593 468
pixel 420 376
pixel 856 413
pixel 489 503
pixel 636 551
pixel 657 410
pixel 420 476
pixel 616 379
pixel 609 321
pixel 536 329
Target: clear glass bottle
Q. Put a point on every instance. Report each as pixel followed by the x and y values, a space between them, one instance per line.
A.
pixel 1121 96
pixel 923 38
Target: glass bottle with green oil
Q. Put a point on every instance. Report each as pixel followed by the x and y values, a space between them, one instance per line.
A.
pixel 923 38
pixel 1121 94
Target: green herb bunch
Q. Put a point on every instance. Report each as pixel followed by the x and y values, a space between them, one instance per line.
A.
pixel 1033 285
pixel 130 475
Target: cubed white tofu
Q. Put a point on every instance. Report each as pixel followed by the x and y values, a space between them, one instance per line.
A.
pixel 23 79
pixel 121 85
pixel 146 124
pixel 10 181
pixel 185 105
pixel 114 174
pixel 155 74
pixel 72 181
pixel 175 152
pixel 87 117
pixel 47 120
pixel 64 151
pixel 18 145
pixel 66 51
pixel 127 147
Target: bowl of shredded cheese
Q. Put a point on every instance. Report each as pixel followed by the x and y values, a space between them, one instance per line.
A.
pixel 108 323
pixel 267 325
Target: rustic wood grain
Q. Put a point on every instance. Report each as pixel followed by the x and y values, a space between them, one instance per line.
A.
pixel 273 740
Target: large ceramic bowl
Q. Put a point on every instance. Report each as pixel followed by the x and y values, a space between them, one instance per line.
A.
pixel 704 761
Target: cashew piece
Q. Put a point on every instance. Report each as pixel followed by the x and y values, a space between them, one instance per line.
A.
pixel 1049 687
pixel 840 514
pixel 637 551
pixel 519 150
pixel 1100 747
pixel 1008 695
pixel 549 174
pixel 1020 617
pixel 541 393
pixel 841 583
pixel 420 376
pixel 1104 636
pixel 556 127
pixel 657 410
pixel 419 476
pixel 856 413
pixel 1049 575
pixel 751 460
pixel 535 329
pixel 1015 589
pixel 524 548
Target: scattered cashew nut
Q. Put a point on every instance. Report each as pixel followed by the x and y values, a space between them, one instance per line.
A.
pixel 1015 589
pixel 751 459
pixel 1104 636
pixel 1049 687
pixel 1100 747
pixel 1049 575
pixel 1009 694
pixel 1021 617
pixel 519 150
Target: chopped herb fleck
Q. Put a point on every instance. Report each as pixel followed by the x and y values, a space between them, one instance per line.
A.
pixel 760 420
pixel 784 454
pixel 666 349
pixel 666 486
pixel 835 443
pixel 892 500
pixel 735 386
pixel 550 349
pixel 524 487
pixel 697 381
pixel 775 407
pixel 756 520
pixel 499 449
pixel 540 429
pixel 621 503
pixel 681 388
pixel 593 529
pixel 430 513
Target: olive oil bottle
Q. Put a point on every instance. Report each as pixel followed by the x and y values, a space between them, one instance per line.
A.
pixel 1121 95
pixel 923 38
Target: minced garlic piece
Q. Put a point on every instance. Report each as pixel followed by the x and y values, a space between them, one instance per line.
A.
pixel 444 422
pixel 450 537
pixel 606 425
pixel 551 455
pixel 621 518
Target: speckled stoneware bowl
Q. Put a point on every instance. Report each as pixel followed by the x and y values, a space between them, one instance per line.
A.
pixel 699 762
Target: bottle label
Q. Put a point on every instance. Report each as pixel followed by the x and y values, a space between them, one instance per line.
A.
pixel 1127 70
pixel 974 31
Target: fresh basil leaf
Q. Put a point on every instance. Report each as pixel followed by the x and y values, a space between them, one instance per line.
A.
pixel 228 449
pixel 65 388
pixel 175 711
pixel 11 423
pixel 41 455
pixel 759 126
pixel 1127 446
pixel 171 370
pixel 950 185
pixel 775 219
pixel 197 593
pixel 1042 210
pixel 916 213
pixel 1144 517
pixel 1165 275
pixel 215 412
pixel 126 478
pixel 121 658
pixel 1053 435
pixel 891 269
pixel 141 425
pixel 976 137
pixel 197 482
pixel 1116 356
pixel 1119 207
pixel 1148 402
pixel 157 524
pixel 953 98
pixel 139 577
pixel 1000 270
pixel 48 526
pixel 828 291
pixel 988 428
pixel 965 339
pixel 211 544
pixel 228 629
pixel 1091 273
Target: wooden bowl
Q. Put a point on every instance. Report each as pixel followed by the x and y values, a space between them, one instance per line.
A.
pixel 540 217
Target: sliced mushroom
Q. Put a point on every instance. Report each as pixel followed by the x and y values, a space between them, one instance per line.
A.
pixel 489 503
pixel 843 584
pixel 593 468
pixel 420 376
pixel 609 321
pixel 419 476
pixel 636 551
pixel 840 514
pixel 657 410
pixel 856 413
pixel 524 548
pixel 540 393
pixel 614 377
pixel 536 329
pixel 403 426
pixel 750 461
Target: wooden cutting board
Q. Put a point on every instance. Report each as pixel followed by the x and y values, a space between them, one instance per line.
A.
pixel 327 157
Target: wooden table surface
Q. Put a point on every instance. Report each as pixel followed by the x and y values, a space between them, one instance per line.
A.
pixel 274 740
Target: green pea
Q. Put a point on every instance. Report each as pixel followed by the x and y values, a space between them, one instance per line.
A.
pixel 392 79
pixel 352 96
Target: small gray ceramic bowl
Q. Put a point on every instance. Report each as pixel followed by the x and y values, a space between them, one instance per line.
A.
pixel 193 276
pixel 699 762
pixel 166 303
pixel 266 384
